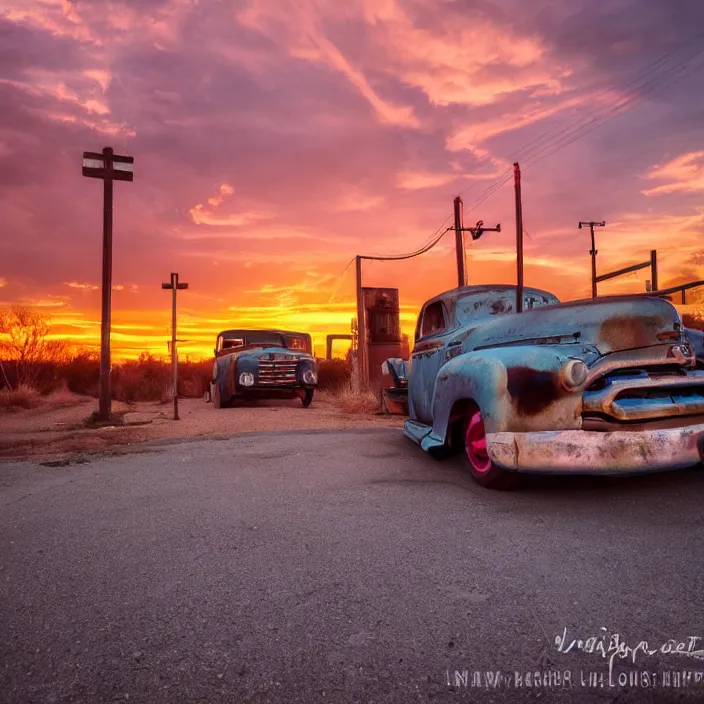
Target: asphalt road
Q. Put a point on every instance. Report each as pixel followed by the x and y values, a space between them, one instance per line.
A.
pixel 340 567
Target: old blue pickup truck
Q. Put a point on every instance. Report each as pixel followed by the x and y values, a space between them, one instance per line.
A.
pixel 605 386
pixel 263 364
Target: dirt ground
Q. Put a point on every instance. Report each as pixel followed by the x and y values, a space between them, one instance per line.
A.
pixel 58 427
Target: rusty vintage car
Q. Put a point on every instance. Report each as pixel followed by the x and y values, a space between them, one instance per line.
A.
pixel 263 364
pixel 600 386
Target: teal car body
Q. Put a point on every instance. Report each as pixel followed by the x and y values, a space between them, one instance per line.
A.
pixel 605 385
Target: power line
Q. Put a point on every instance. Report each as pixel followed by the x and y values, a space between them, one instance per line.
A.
pixel 573 130
pixel 625 89
pixel 615 111
pixel 633 93
pixel 435 238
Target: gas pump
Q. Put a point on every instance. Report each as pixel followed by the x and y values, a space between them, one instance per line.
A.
pixel 382 318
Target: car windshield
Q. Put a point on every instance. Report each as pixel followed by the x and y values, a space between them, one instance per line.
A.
pixel 476 307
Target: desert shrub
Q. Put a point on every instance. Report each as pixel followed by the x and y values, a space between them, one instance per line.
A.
pixel 82 374
pixel 333 374
pixel 22 397
pixel 45 376
pixel 32 358
pixel 49 376
pixel 146 379
pixel 194 377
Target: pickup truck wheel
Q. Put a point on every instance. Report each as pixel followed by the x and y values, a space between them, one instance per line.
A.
pixel 483 470
pixel 307 398
pixel 217 398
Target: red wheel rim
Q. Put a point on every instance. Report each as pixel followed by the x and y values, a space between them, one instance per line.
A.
pixel 475 444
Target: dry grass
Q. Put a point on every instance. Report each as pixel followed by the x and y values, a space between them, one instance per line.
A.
pixel 22 397
pixel 333 374
pixel 353 400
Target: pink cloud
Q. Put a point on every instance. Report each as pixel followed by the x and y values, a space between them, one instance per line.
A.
pixel 301 29
pixel 685 174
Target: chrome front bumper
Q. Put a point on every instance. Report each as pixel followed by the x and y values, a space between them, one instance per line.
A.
pixel 591 452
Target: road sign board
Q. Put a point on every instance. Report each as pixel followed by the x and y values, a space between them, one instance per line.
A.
pixel 121 167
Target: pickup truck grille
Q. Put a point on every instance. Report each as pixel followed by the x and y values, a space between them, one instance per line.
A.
pixel 272 373
pixel 645 394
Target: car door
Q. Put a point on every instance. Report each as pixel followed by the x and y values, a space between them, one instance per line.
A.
pixel 432 334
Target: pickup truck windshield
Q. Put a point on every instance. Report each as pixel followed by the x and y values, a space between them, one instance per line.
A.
pixel 252 339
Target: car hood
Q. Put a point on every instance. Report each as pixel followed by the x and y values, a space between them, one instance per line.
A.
pixel 608 324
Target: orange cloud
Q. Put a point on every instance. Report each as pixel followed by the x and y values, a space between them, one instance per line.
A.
pixel 685 174
pixel 75 284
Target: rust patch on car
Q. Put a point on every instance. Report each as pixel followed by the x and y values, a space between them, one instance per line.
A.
pixel 625 332
pixel 500 306
pixel 532 391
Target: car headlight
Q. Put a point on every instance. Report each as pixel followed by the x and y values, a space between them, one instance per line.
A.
pixel 574 374
pixel 309 376
pixel 246 379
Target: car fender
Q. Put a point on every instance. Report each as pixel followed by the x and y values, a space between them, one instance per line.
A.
pixel 517 388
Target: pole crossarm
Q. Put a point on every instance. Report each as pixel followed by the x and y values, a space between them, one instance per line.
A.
pixel 620 272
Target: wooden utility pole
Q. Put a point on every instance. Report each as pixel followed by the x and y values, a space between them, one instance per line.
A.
pixel 477 231
pixel 654 268
pixel 459 243
pixel 593 251
pixel 105 401
pixel 363 366
pixel 519 238
pixel 174 286
pixel 109 167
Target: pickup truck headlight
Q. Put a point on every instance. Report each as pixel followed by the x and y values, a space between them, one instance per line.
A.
pixel 309 376
pixel 683 353
pixel 246 379
pixel 574 374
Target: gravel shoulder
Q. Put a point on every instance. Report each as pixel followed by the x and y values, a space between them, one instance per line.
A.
pixel 57 428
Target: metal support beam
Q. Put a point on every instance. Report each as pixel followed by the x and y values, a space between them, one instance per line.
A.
pixel 677 289
pixel 626 270
pixel 330 339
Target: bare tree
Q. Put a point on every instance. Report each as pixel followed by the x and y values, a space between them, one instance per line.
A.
pixel 23 341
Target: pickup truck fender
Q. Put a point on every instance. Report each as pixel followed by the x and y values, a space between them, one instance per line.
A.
pixel 517 388
pixel 223 374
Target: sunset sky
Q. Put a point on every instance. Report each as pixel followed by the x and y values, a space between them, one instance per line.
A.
pixel 276 139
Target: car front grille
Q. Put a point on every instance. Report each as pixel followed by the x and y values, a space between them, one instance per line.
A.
pixel 274 373
pixel 645 394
